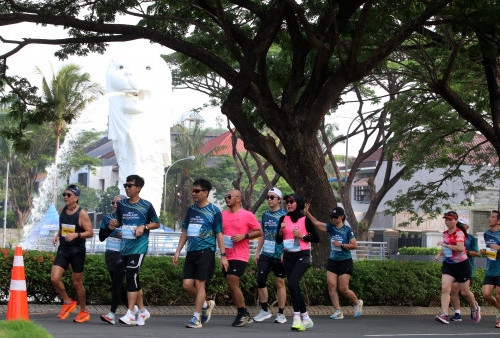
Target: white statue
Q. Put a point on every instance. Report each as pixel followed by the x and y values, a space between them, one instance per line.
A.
pixel 140 116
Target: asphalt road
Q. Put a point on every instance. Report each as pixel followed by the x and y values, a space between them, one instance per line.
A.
pixel 220 326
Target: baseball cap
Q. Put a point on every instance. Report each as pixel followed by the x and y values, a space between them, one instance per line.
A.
pixel 276 191
pixel 464 221
pixel 73 188
pixel 338 211
pixel 450 215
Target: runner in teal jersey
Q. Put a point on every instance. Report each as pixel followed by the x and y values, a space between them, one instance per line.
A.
pixel 492 274
pixel 136 217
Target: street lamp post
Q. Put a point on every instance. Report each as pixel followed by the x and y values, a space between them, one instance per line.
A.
pixel 165 180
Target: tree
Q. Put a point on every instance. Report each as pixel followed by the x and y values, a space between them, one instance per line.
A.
pixel 107 197
pixel 69 92
pixel 325 47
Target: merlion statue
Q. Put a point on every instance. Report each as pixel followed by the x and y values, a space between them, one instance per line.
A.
pixel 140 115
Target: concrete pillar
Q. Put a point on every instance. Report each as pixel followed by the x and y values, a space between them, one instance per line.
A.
pixel 391 237
pixel 370 235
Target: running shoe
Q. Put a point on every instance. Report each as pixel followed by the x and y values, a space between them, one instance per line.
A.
pixel 338 314
pixel 142 316
pixel 263 315
pixel 358 308
pixel 206 313
pixel 67 309
pixel 307 324
pixel 128 319
pixel 109 318
pixel 242 320
pixel 476 314
pixel 443 319
pixel 297 324
pixel 280 318
pixel 82 317
pixel 194 323
pixel 497 324
pixel 456 318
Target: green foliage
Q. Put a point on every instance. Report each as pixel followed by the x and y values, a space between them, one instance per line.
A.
pixel 89 198
pixel 107 197
pixel 415 250
pixel 76 156
pixel 21 329
pixel 382 283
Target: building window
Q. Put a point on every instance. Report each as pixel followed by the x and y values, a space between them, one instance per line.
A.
pixel 102 184
pixel 362 194
pixel 83 179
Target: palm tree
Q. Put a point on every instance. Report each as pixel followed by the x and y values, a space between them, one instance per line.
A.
pixel 69 92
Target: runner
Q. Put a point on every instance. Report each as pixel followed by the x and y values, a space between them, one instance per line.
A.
pixel 269 257
pixel 202 226
pixel 296 231
pixel 114 262
pixel 340 265
pixel 136 217
pixel 239 225
pixel 492 274
pixel 455 268
pixel 472 250
pixel 74 227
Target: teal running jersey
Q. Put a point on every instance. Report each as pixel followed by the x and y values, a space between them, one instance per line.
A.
pixel 343 235
pixel 493 260
pixel 270 222
pixel 130 216
pixel 114 240
pixel 471 244
pixel 202 224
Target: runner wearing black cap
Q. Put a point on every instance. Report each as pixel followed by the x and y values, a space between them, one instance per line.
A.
pixel 340 265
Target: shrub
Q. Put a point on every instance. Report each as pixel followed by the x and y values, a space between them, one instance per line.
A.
pixel 385 283
pixel 415 250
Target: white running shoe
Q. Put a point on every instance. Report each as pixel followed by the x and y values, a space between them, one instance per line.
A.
pixel 280 318
pixel 128 319
pixel 142 316
pixel 358 308
pixel 136 310
pixel 263 315
pixel 297 323
pixel 337 314
pixel 307 323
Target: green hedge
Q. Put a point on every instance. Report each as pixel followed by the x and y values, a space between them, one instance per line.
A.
pixel 387 283
pixel 415 250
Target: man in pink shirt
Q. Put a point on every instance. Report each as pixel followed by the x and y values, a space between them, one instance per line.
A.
pixel 238 226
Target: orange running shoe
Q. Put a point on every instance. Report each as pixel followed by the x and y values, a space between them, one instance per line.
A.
pixel 83 316
pixel 67 309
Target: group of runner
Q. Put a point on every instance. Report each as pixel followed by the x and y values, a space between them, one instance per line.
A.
pixel 459 249
pixel 283 248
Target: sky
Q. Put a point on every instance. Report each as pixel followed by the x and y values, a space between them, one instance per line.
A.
pixel 29 58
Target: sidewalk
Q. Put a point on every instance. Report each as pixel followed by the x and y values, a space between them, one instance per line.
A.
pixel 318 310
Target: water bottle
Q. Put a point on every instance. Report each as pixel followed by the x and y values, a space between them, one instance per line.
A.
pixel 296 241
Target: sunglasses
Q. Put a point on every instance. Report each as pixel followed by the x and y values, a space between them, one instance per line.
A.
pixel 290 201
pixel 197 191
pixel 228 197
pixel 113 203
pixel 270 197
pixel 129 185
pixel 66 195
pixel 334 217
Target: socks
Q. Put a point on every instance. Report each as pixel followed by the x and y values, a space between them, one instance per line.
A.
pixel 263 306
pixel 296 315
pixel 205 305
pixel 281 310
pixel 197 315
pixel 305 315
pixel 457 311
pixel 242 310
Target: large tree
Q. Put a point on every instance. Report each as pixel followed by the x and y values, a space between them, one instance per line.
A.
pixel 328 44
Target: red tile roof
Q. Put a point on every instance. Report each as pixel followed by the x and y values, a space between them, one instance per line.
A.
pixel 223 141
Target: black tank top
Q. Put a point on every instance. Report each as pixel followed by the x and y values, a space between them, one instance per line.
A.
pixel 66 225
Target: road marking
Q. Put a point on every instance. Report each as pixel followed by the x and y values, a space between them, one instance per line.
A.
pixel 433 334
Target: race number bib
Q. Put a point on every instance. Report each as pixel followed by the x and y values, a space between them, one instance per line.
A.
pixel 290 246
pixel 491 254
pixel 194 229
pixel 228 243
pixel 447 252
pixel 113 244
pixel 128 231
pixel 269 246
pixel 67 229
pixel 337 238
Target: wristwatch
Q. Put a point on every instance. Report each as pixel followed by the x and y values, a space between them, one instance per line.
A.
pixel 247 236
pixel 342 245
pixel 223 254
pixel 146 227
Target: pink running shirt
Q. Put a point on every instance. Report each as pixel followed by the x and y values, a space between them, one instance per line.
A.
pixel 452 256
pixel 241 222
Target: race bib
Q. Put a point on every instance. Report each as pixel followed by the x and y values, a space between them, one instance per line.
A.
pixel 289 245
pixel 491 254
pixel 128 231
pixel 269 246
pixel 113 244
pixel 194 229
pixel 337 238
pixel 228 243
pixel 67 229
pixel 447 252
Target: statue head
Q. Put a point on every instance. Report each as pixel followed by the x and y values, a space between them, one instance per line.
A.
pixel 138 84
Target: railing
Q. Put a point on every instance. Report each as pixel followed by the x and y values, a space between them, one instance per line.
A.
pixel 370 250
pixel 165 243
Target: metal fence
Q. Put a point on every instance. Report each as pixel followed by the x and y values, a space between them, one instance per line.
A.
pixel 165 243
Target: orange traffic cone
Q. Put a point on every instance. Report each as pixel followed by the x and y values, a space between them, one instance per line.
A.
pixel 18 301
